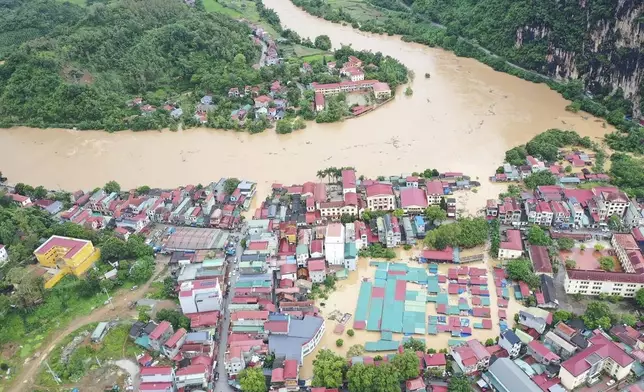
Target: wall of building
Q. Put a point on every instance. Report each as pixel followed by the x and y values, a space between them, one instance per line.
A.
pixel 590 287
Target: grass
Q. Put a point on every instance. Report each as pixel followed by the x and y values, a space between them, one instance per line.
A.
pixel 317 57
pixel 239 9
pixel 81 3
pixel 358 9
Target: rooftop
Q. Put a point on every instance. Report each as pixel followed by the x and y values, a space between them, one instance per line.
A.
pixel 413 197
pixel 379 189
pixel 71 245
pixel 513 242
pixel 601 347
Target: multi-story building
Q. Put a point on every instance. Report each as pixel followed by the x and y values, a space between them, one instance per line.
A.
pixel 200 296
pixel 506 376
pixel 510 342
pixel 172 346
pixel 349 181
pixel 612 202
pixel 413 200
pixel 157 378
pixel 66 255
pixel 513 247
pixel 301 338
pixel 435 192
pixel 577 214
pixel 334 244
pixel 160 335
pixel 560 214
pixel 628 253
pixel 381 197
pixel 539 213
pixel 633 217
pixel 392 236
pixel 317 271
pixel 510 212
pixel 594 282
pixel 602 355
pixel 194 375
pixel 471 356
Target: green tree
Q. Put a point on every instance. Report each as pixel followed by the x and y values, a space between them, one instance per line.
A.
pixel 328 369
pixel 415 344
pixel 398 212
pixel 568 169
pixel 599 247
pixel 537 236
pixel 143 314
pixel 597 314
pixel 565 243
pixel 489 342
pixel 339 343
pixel 143 190
pixel 571 264
pixel 323 42
pixel 39 193
pixel 230 185
pixel 283 126
pixel 351 332
pixel 561 315
pixel 355 351
pixel 607 263
pixel 112 186
pixel 459 383
pixel 252 379
pixel 639 298
pixel 174 317
pixel 629 319
pixel 409 92
pixel 406 365
pixel 521 270
pixel 435 214
pixel 540 178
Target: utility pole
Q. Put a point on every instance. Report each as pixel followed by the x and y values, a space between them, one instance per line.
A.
pixel 53 374
pixel 109 299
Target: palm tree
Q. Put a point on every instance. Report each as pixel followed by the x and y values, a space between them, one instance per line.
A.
pixel 321 174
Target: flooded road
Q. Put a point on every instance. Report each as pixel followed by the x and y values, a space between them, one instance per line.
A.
pixel 462 119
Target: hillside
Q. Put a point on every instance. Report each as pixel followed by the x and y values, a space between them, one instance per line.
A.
pixel 78 66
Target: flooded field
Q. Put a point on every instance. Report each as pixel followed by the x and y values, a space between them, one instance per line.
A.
pixel 345 297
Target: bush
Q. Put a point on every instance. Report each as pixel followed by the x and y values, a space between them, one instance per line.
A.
pixel 351 332
pixel 339 343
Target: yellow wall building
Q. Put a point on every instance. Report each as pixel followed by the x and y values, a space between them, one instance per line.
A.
pixel 68 255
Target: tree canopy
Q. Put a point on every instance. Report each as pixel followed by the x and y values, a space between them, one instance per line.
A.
pixel 598 314
pixel 538 236
pixel 328 369
pixel 521 270
pixel 252 379
pixel 465 233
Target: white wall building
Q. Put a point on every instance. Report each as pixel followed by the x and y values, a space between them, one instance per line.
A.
pixel 598 282
pixel 197 296
pixel 334 244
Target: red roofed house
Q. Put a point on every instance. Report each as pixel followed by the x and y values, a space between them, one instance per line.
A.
pixel 317 270
pixel 441 256
pixel 434 192
pixel 471 356
pixel 317 248
pixel 540 259
pixel 194 375
pixel 435 361
pixel 204 320
pixel 348 181
pixel 628 253
pixel 157 375
pixel 172 346
pixel 160 335
pixel 602 354
pixel 513 247
pixel 542 354
pixel 415 385
pixel 381 197
pixel 291 373
pixel 413 200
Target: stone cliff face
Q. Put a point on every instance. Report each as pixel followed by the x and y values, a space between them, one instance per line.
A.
pixel 612 53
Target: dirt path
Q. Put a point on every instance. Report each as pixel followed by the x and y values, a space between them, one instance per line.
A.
pixel 29 371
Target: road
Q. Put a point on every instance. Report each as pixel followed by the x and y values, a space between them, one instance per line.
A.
pixel 27 376
pixel 222 384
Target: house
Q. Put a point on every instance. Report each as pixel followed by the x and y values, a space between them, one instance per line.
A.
pixel 262 101
pixel 99 332
pixel 506 376
pixel 510 212
pixel 510 342
pixel 159 377
pixel 353 73
pixel 334 244
pixel 542 354
pixel 160 335
pixel 470 356
pixel 535 318
pixel 381 90
pixel 4 256
pixel 628 253
pixel 317 248
pixel 435 192
pixel 535 164
pixel 435 361
pixel 197 296
pixel 301 339
pixel 548 292
pixel 172 346
pixel 233 92
pixel 595 282
pixel 629 336
pixel 601 355
pixel 318 102
pixel 291 374
pixel 317 270
pixel 415 385
pixel 194 375
pixel 66 255
pixel 560 345
pixel 380 197
pixel 348 181
pixel 540 259
pixel 512 248
pixel 20 200
pixel 413 200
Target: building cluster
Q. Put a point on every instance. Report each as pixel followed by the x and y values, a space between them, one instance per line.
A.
pixel 577 160
pixel 207 206
pixel 262 37
pixel 146 109
pixel 538 356
pixel 271 106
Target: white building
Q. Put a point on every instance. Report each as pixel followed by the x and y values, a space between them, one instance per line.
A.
pixel 602 354
pixel 597 282
pixel 513 247
pixel 193 376
pixel 317 271
pixel 628 253
pixel 334 244
pixel 633 216
pixel 157 374
pixel 4 256
pixel 348 181
pixel 197 296
pixel 381 197
pixel 510 342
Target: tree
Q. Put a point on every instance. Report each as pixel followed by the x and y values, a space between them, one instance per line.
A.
pixel 174 317
pixel 599 247
pixel 409 92
pixel 537 236
pixel 561 315
pixel 169 287
pixel 435 214
pixel 328 369
pixel 351 332
pixel 415 344
pixel 323 42
pixel 230 185
pixel 143 314
pixel 540 178
pixel 355 351
pixel 628 319
pixel 406 365
pixel 489 342
pixel 639 298
pixel 568 169
pixel 283 127
pixel 39 192
pixel 565 243
pixel 431 351
pixel 398 212
pixel 607 263
pixel 252 379
pixel 459 383
pixel 339 343
pixel 615 223
pixel 571 264
pixel 521 270
pixel 143 190
pixel 597 314
pixel 112 186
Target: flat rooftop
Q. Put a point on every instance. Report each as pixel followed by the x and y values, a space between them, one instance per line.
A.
pixel 71 245
pixel 193 238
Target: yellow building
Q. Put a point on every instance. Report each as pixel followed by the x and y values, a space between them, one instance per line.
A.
pixel 67 255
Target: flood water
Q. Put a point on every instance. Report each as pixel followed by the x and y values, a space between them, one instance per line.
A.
pixel 350 288
pixel 462 119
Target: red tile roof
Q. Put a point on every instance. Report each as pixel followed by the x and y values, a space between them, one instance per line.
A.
pixel 317 265
pixel 602 347
pixel 514 241
pixel 416 383
pixel 192 369
pixel 156 371
pixel 413 197
pixel 542 350
pixel 277 375
pixel 351 199
pixel 348 179
pixel 204 319
pixel 290 369
pixel 288 269
pixel 434 187
pixel 174 339
pixel 72 245
pixel 603 276
pixel 446 254
pixel 155 386
pixel 160 330
pixel 250 315
pixel 540 259
pixel 258 245
pixel 435 359
pixel 276 326
pixel 379 189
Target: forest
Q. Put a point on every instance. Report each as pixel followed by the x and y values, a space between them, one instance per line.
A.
pixel 486 30
pixel 78 66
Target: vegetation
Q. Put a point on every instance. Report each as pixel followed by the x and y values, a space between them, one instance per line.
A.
pixel 465 233
pixel 339 343
pixel 539 179
pixel 521 270
pixel 598 314
pixel 571 264
pixel 323 42
pixel 628 174
pixel 409 92
pixel 607 263
pixel 561 315
pixel 329 369
pixel 435 214
pixel 174 317
pixel 639 298
pixel 252 379
pixel 459 383
pixel 351 332
pixel 538 236
pixel 415 345
pixel 495 237
pixel 378 251
pixel 565 243
pixel 355 351
pixel 385 377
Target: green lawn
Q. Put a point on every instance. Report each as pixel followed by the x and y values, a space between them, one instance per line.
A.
pixel 317 57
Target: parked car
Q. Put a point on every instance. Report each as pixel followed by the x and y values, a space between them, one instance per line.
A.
pixel 216 376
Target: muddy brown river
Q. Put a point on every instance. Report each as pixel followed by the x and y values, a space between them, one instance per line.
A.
pixel 462 119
